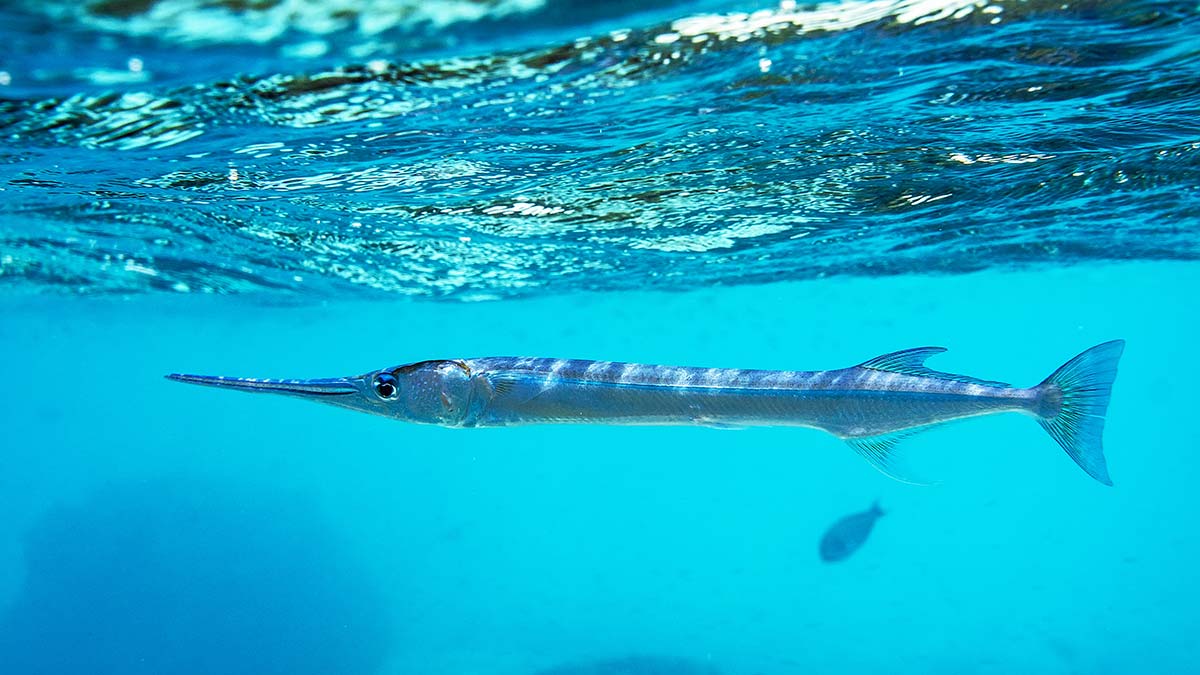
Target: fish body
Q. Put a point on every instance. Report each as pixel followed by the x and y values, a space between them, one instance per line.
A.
pixel 850 403
pixel 845 536
pixel 871 405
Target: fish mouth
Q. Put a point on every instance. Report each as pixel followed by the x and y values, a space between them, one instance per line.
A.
pixel 333 386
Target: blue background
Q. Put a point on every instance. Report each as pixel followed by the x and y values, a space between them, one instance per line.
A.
pixel 513 550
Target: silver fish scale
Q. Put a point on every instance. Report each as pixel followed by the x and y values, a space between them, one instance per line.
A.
pixel 611 372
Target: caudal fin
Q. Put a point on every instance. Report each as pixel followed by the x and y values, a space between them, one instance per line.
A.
pixel 1073 402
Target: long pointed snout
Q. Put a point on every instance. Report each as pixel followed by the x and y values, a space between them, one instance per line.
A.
pixel 311 389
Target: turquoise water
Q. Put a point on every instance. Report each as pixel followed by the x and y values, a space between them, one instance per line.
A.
pixel 213 210
pixel 513 550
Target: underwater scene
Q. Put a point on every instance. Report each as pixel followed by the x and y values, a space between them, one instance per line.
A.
pixel 633 338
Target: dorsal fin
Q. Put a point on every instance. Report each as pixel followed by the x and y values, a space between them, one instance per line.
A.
pixel 912 362
pixel 903 360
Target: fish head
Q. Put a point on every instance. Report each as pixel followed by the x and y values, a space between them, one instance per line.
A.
pixel 428 392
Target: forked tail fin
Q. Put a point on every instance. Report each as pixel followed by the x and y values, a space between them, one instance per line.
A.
pixel 1073 401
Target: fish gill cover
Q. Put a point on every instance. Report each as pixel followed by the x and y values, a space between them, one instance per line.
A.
pixel 474 150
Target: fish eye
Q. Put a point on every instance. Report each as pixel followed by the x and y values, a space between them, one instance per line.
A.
pixel 386 386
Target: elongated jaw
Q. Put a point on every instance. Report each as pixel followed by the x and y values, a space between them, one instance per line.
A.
pixel 313 389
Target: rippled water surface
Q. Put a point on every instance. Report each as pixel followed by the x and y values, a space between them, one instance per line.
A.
pixel 473 150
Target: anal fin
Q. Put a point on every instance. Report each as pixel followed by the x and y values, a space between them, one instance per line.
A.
pixel 880 451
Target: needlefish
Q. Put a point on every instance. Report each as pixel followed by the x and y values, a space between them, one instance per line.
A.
pixel 872 406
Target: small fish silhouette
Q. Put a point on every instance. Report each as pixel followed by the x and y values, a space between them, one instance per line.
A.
pixel 845 536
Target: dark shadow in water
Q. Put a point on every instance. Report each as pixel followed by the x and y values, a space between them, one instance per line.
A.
pixel 633 665
pixel 189 578
pixel 848 534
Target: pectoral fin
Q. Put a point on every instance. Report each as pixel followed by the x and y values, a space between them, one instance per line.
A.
pixel 516 388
